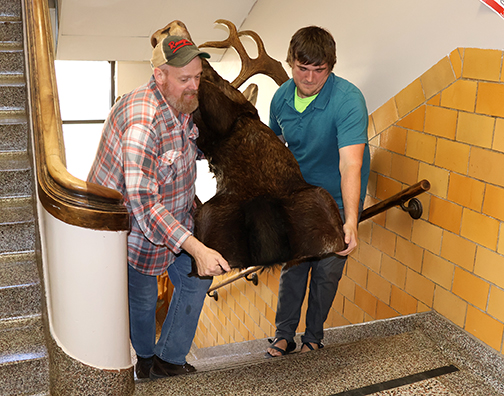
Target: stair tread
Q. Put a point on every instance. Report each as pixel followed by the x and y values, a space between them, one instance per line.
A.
pixel 11 11
pixel 10 18
pixel 11 46
pixel 15 210
pixel 8 116
pixel 17 238
pixel 348 367
pixel 18 270
pixel 14 160
pixel 24 341
pixel 12 80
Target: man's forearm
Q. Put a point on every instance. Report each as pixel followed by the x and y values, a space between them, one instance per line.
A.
pixel 350 190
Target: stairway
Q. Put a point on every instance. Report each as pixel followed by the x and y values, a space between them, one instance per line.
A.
pixel 418 355
pixel 23 354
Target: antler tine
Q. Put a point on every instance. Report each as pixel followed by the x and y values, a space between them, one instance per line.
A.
pixel 258 40
pixel 232 40
pixel 263 64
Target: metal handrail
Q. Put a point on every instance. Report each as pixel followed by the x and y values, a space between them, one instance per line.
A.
pixel 414 208
pixel 399 199
pixel 242 274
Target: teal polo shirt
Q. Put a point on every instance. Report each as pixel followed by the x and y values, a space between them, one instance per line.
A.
pixel 337 118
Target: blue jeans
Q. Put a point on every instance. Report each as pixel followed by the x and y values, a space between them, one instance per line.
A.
pixel 181 321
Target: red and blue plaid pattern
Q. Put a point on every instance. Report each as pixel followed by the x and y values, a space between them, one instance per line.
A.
pixel 149 155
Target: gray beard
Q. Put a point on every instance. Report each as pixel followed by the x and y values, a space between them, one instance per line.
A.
pixel 182 105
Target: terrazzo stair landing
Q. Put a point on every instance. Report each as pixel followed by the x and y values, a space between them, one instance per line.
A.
pixel 24 368
pixel 421 354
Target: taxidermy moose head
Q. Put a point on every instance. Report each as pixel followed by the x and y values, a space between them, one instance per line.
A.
pixel 263 213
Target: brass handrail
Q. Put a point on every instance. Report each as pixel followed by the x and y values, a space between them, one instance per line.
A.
pixel 66 197
pixel 398 199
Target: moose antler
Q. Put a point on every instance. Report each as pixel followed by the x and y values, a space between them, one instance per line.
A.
pixel 263 64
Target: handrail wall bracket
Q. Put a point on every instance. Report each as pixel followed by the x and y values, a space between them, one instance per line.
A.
pixel 414 208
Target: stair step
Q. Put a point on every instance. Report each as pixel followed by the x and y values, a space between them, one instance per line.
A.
pixel 24 366
pixel 28 343
pixel 16 160
pixel 18 269
pixel 11 59
pixel 13 132
pixel 11 30
pixel 15 174
pixel 16 210
pixel 13 91
pixel 12 116
pixel 19 286
pixel 17 238
pixel 10 10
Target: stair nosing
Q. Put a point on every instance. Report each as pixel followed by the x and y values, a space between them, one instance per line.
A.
pixel 11 80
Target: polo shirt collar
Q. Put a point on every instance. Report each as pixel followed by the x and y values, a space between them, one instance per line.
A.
pixel 320 101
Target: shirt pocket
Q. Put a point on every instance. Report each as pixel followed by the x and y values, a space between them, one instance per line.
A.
pixel 168 164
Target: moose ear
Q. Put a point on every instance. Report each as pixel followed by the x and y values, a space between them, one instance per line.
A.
pixel 174 28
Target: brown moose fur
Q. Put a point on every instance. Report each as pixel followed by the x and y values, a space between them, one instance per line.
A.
pixel 263 213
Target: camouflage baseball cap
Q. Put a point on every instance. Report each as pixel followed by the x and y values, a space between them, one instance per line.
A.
pixel 175 51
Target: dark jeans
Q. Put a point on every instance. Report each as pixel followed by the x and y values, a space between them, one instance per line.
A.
pixel 325 276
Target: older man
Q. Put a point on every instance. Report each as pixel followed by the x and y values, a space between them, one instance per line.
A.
pixel 147 152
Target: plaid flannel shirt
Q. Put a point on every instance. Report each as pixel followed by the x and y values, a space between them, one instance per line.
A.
pixel 148 154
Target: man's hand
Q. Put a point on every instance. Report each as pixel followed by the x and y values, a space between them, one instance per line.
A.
pixel 350 239
pixel 208 261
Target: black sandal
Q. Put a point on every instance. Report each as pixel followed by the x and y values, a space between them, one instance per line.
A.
pixel 311 348
pixel 291 345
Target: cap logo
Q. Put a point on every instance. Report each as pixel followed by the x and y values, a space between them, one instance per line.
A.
pixel 175 51
pixel 176 45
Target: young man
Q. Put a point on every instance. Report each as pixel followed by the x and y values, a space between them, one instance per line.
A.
pixel 323 119
pixel 148 153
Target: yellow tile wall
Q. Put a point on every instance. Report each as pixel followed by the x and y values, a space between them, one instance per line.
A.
pixel 447 126
pixel 461 95
pixel 452 259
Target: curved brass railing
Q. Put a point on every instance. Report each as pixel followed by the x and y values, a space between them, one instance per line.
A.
pixel 66 197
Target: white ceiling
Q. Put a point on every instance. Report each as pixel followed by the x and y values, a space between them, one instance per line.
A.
pixel 121 29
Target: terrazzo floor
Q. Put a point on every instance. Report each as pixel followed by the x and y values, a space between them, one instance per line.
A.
pixel 414 360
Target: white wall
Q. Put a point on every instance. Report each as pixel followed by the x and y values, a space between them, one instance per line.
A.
pixel 382 46
pixel 86 278
pixel 130 75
